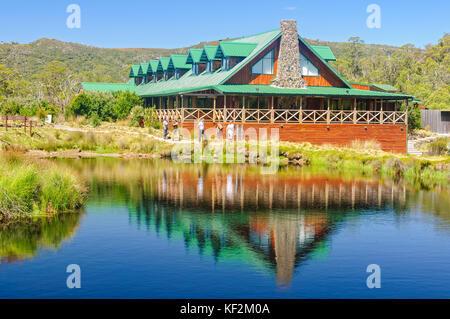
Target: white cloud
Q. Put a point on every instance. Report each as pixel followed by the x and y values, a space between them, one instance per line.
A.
pixel 290 8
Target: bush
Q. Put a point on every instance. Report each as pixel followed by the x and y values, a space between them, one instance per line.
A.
pixel 107 106
pixel 440 146
pixel 137 116
pixel 95 120
pixel 124 103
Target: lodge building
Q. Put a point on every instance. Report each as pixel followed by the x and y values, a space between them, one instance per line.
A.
pixel 273 79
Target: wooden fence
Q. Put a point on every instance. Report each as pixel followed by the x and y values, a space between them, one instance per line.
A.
pixel 437 121
pixel 10 121
pixel 282 116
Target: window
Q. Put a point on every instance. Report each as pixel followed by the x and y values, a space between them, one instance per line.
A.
pixel 308 69
pixel 225 63
pixel 265 65
pixel 210 66
pixel 195 68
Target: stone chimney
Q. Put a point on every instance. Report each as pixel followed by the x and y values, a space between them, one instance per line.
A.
pixel 289 72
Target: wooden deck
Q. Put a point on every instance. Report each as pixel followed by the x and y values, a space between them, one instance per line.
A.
pixel 290 116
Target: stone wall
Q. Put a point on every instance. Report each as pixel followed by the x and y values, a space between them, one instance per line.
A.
pixel 289 71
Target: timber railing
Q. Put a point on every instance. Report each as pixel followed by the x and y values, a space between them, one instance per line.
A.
pixel 281 116
pixel 11 121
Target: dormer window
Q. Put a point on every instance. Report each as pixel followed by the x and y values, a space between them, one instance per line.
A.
pixel 177 74
pixel 265 65
pixel 226 63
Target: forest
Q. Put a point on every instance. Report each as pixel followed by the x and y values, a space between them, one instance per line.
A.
pixel 43 77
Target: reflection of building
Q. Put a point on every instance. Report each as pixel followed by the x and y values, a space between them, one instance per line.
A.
pixel 274 223
pixel 222 190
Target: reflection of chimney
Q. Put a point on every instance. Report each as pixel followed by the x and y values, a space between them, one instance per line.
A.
pixel 289 71
pixel 285 237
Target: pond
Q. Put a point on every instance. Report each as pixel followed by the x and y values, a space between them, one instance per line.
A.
pixel 155 229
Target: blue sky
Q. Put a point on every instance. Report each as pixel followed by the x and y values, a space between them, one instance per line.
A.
pixel 173 23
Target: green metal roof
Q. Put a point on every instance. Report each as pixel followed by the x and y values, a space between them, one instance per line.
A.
pixel 250 89
pixel 163 64
pixel 143 69
pixel 153 66
pixel 249 48
pixel 235 49
pixel 192 83
pixel 194 56
pixel 208 53
pixel 108 87
pixel 178 61
pixel 325 52
pixel 134 71
pixel 385 87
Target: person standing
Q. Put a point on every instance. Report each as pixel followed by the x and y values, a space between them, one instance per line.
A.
pixel 201 129
pixel 230 131
pixel 176 132
pixel 219 131
pixel 165 128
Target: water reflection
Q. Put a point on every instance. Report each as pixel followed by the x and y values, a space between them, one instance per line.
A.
pixel 23 239
pixel 274 222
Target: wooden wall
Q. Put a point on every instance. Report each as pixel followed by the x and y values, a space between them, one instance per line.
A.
pixel 325 78
pixel 245 76
pixel 361 87
pixel 392 138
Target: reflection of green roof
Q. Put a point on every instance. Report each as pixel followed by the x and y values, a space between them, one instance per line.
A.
pixel 385 87
pixel 134 71
pixel 108 87
pixel 209 53
pixel 234 49
pixel 324 52
pixel 194 56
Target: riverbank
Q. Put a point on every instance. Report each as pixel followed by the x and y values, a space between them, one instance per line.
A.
pixel 29 187
pixel 126 142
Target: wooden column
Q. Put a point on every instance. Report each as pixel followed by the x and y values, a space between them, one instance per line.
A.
pixel 243 110
pixel 354 111
pixel 214 110
pixel 381 112
pixel 224 108
pixel 328 111
pixel 300 114
pixel 272 114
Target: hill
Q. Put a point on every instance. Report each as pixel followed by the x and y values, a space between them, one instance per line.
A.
pixel 415 71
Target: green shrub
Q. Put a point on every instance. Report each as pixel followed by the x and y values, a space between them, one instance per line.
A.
pixel 95 120
pixel 137 116
pixel 124 103
pixel 107 106
pixel 440 146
